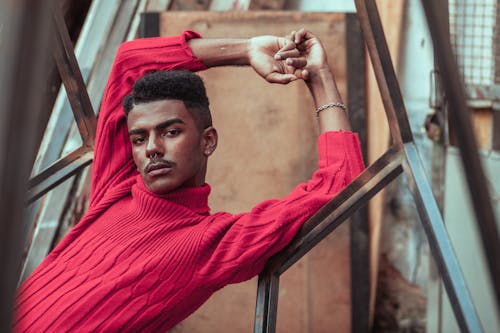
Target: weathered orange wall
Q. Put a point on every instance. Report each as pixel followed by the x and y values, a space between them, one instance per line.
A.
pixel 267 145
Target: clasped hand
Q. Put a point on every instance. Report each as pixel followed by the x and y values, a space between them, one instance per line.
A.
pixel 286 59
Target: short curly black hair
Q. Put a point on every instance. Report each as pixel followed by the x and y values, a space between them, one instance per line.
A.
pixel 175 84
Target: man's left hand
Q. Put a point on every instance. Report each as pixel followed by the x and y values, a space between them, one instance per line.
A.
pixel 261 55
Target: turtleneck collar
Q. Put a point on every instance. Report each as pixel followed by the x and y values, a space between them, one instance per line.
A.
pixel 193 198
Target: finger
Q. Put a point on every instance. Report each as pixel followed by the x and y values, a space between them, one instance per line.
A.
pixel 296 62
pixel 302 35
pixel 294 53
pixel 301 73
pixel 280 78
pixel 289 46
pixel 305 74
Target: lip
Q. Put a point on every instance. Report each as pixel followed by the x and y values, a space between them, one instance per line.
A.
pixel 158 169
pixel 159 172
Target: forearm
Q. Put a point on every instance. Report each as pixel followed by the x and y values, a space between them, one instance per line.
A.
pixel 323 88
pixel 220 52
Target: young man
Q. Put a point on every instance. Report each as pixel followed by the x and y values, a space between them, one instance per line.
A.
pixel 148 252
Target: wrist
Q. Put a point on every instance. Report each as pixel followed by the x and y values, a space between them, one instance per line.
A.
pixel 323 88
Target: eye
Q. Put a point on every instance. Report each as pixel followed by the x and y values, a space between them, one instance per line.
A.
pixel 138 140
pixel 171 132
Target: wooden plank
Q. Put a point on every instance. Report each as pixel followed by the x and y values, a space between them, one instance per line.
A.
pixel 391 15
pixel 267 146
pixel 483 125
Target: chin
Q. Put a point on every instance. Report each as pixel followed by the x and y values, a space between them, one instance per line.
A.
pixel 160 186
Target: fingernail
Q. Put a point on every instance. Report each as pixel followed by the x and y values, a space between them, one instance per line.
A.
pixel 277 57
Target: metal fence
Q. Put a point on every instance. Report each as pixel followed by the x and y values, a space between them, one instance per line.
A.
pixel 475 38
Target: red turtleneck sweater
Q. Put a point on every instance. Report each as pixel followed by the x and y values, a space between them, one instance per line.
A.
pixel 140 262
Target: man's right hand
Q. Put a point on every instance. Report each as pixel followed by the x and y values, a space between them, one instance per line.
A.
pixel 319 78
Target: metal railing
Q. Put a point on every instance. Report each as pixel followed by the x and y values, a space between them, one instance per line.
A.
pixel 82 109
pixel 401 157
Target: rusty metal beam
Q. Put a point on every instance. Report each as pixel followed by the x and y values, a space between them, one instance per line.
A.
pixel 73 81
pixel 460 119
pixel 398 122
pixel 439 242
pixel 384 71
pixel 330 216
pixel 58 172
pixel 327 219
pixel 82 109
pixel 266 309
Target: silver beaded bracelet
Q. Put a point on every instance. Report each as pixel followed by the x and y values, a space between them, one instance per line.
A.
pixel 330 105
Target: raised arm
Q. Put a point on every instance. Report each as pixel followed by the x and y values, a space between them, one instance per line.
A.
pixel 113 164
pixel 257 52
pixel 319 79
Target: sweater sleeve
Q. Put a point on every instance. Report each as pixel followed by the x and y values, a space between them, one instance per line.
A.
pixel 113 157
pixel 236 247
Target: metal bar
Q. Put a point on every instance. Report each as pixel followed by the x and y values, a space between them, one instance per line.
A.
pixel 149 25
pixel 73 81
pixel 496 127
pixel 384 70
pixel 359 227
pixel 266 309
pixel 91 45
pixel 439 242
pixel 355 195
pixel 59 172
pixel 460 118
pixel 25 38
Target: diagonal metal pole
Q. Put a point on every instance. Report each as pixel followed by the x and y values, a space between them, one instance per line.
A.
pixel 320 225
pixel 439 242
pixel 81 106
pixel 431 219
pixel 460 117
pixel 73 81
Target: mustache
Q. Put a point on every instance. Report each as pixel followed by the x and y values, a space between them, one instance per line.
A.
pixel 158 163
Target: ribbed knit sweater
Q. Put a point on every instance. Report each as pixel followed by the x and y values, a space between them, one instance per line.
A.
pixel 141 262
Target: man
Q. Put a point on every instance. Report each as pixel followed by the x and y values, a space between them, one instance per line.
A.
pixel 148 253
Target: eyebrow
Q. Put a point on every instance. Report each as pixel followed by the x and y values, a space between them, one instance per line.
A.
pixel 160 126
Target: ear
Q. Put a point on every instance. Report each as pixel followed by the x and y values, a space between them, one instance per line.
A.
pixel 209 140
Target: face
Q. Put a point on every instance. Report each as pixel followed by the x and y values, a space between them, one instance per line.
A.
pixel 169 150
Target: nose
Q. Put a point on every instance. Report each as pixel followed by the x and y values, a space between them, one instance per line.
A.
pixel 154 147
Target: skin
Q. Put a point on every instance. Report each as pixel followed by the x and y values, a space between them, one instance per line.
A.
pixel 300 55
pixel 169 150
pixel 164 133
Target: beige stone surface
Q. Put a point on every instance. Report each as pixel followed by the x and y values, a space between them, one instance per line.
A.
pixel 267 145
